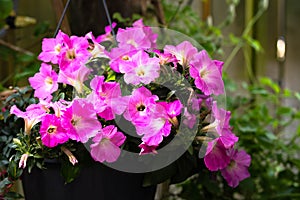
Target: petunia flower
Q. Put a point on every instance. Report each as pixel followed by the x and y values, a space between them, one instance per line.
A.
pixel 23 161
pixel 74 53
pixel 237 169
pixel 165 57
pixel 162 118
pixel 149 34
pixel 75 78
pixel 146 149
pixel 141 106
pixel 184 53
pixel 207 74
pixel 106 144
pixel 189 118
pixel 44 83
pixel 80 120
pixel 142 69
pixel 216 157
pixel 52 133
pixel 96 49
pixel 31 116
pixel 221 126
pixel 107 36
pixel 120 56
pixel 107 98
pixel 51 48
pixel 133 38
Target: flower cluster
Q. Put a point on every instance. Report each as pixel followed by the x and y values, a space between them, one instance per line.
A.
pixel 125 85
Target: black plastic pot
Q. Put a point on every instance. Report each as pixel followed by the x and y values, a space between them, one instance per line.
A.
pixel 97 182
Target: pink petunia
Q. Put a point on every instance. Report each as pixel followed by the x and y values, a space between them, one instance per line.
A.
pixel 149 34
pixel 162 118
pixel 142 69
pixel 120 56
pixel 44 83
pixel 184 53
pixel 139 36
pixel 52 133
pixel 189 118
pixel 237 169
pixel 51 48
pixel 106 144
pixel 107 36
pixel 74 53
pixel 140 107
pixel 74 78
pixel 146 149
pixel 207 74
pixel 216 156
pixel 158 127
pixel 222 127
pixel 80 121
pixel 106 97
pixel 96 49
pixel 165 57
pixel 31 116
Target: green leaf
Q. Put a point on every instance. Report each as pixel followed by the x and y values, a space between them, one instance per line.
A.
pixel 234 40
pixel 268 82
pixel 69 172
pixel 253 43
pixel 14 171
pixel 297 95
pixel 13 196
pixel 284 110
pixel 6 7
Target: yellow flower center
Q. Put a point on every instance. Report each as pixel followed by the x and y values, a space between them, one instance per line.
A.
pixel 71 54
pixel 51 129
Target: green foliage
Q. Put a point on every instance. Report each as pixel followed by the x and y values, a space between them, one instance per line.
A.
pixel 6 7
pixel 269 131
pixel 266 127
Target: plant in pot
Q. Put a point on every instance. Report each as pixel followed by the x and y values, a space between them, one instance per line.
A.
pixel 132 109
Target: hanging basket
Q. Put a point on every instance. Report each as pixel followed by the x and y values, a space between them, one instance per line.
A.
pixel 94 182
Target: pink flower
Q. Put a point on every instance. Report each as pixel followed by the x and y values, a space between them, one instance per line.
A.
pixel 23 160
pixel 146 149
pixel 142 69
pixel 207 74
pixel 132 38
pixel 237 170
pixel 216 156
pixel 31 116
pixel 52 133
pixel 149 34
pixel 157 127
pixel 51 48
pixel 184 53
pixel 107 99
pixel 80 121
pixel 173 108
pixel 75 78
pixel 74 53
pixel 106 144
pixel 120 56
pixel 107 36
pixel 222 127
pixel 165 57
pixel 96 49
pixel 163 116
pixel 141 105
pixel 44 83
pixel 139 36
pixel 189 118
